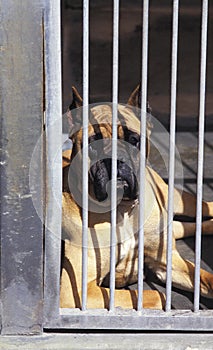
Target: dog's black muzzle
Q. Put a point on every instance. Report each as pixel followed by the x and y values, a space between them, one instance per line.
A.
pixel 100 175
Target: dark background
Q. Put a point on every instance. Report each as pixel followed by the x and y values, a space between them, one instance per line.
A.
pixel 160 24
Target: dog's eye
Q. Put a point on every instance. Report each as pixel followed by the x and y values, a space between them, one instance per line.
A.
pixel 93 146
pixel 134 140
pixel 93 152
pixel 95 137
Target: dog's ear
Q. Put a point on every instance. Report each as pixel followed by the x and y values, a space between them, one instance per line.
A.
pixel 135 101
pixel 74 116
pixel 77 101
pixel 135 97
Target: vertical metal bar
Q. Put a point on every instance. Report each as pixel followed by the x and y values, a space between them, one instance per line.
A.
pixel 114 152
pixel 172 153
pixel 200 154
pixel 85 151
pixel 21 125
pixel 53 94
pixel 143 151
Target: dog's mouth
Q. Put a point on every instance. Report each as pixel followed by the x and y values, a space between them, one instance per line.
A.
pixel 100 177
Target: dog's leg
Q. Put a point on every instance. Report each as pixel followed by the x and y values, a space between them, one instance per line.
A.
pixel 182 272
pixel 185 204
pixel 187 229
pixel 183 276
pixel 98 297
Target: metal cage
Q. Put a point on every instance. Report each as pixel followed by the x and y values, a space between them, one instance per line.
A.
pixel 140 319
pixel 30 266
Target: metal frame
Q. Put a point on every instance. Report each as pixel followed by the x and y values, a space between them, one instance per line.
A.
pixel 22 121
pixel 52 58
pixel 131 320
pixel 141 319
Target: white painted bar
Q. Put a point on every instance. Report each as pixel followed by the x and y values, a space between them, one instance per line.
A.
pixel 200 153
pixel 142 152
pixel 114 151
pixel 85 151
pixel 172 153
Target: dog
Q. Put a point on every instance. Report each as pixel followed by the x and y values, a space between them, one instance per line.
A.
pixel 99 216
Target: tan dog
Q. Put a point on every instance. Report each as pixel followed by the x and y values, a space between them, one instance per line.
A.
pixel 155 228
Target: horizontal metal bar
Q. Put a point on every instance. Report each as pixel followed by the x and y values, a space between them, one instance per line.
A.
pixel 124 319
pixel 200 154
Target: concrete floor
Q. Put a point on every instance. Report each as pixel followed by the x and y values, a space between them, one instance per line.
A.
pixel 110 341
pixel 158 85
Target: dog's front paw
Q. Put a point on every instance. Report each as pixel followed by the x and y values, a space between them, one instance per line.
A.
pixel 206 284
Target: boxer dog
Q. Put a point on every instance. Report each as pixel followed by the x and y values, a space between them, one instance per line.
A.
pixel 99 215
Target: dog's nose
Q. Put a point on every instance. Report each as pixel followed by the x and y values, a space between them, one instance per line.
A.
pixel 119 182
pixel 123 186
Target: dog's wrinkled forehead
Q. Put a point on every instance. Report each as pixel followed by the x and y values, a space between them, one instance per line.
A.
pixel 102 115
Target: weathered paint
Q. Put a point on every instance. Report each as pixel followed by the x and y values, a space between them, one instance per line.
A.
pixel 21 125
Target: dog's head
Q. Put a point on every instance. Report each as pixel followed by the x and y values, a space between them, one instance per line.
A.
pixel 100 146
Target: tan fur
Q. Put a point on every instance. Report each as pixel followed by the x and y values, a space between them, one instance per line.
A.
pixel 155 240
